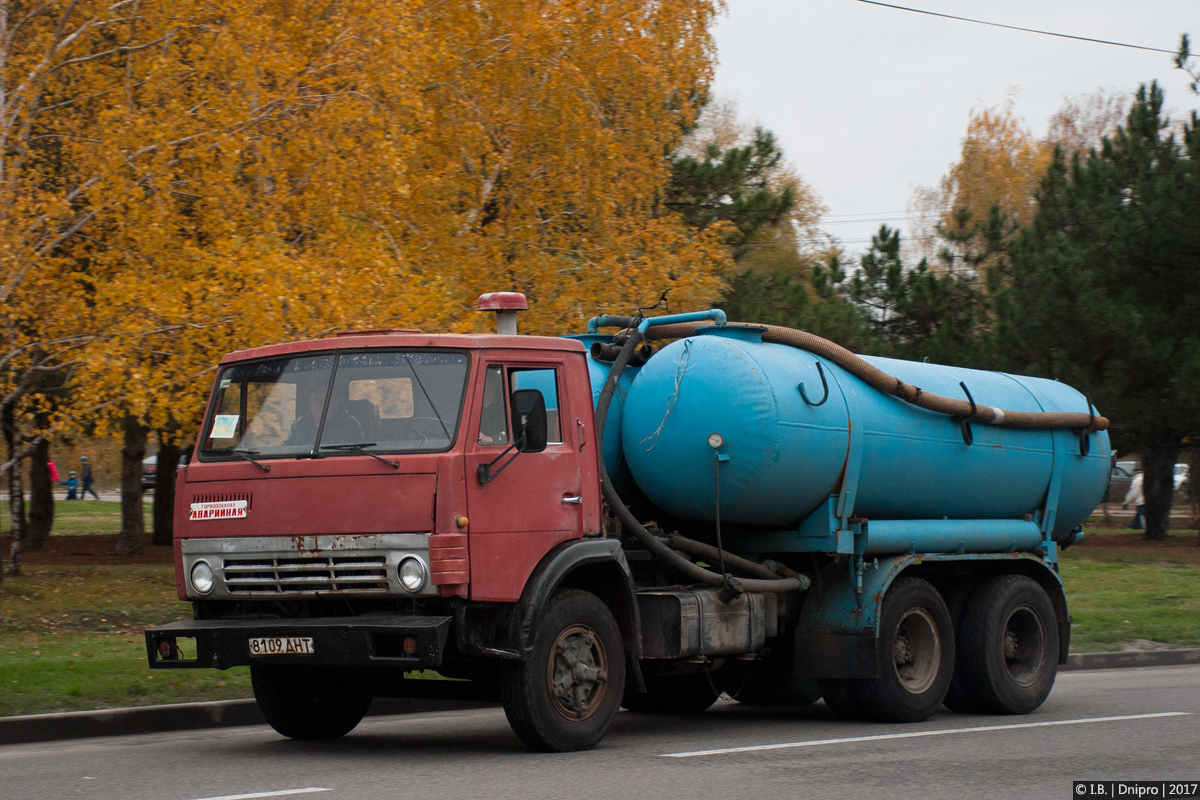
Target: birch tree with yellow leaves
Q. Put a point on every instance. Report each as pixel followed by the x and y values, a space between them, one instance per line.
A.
pixel 1000 166
pixel 179 179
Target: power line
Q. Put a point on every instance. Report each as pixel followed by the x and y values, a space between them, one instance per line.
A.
pixel 1026 30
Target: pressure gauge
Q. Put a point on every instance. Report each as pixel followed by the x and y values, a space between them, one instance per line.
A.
pixel 715 440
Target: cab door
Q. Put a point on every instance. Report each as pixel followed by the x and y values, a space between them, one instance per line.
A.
pixel 536 500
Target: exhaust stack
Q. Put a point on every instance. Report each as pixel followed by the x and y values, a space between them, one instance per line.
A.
pixel 506 305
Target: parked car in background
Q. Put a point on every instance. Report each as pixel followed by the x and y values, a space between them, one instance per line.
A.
pixel 1181 477
pixel 150 470
pixel 1121 474
pixel 1119 478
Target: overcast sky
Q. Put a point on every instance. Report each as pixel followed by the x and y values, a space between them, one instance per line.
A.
pixel 869 102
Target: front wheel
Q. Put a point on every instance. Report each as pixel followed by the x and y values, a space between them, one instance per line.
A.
pixel 310 702
pixel 565 695
pixel 1008 653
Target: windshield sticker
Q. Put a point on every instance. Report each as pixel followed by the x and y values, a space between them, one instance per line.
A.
pixel 226 509
pixel 224 426
pixel 225 382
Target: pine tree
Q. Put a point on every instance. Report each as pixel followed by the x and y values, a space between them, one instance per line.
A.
pixel 1103 289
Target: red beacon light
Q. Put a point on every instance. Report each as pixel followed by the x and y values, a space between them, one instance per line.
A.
pixel 506 305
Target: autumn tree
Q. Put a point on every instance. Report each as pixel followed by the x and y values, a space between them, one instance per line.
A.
pixel 181 180
pixel 1000 165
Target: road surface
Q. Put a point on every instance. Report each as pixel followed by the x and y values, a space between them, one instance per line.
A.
pixel 1104 724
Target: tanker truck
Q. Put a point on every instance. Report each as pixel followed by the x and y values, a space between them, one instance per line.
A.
pixel 648 514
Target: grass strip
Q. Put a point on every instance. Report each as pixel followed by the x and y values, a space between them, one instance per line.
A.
pixel 75 517
pixel 84 671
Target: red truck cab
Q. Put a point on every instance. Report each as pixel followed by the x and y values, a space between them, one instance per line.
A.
pixel 364 506
pixel 404 429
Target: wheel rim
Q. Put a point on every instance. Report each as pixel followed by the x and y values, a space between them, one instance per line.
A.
pixel 577 672
pixel 917 650
pixel 1024 645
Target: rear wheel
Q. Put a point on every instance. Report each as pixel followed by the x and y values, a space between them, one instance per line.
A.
pixel 916 653
pixel 915 659
pixel 565 695
pixel 310 702
pixel 1008 651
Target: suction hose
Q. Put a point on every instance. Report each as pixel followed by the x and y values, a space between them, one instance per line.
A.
pixel 651 542
pixel 881 381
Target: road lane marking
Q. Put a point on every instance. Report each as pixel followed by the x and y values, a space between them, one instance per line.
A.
pixel 277 793
pixel 918 734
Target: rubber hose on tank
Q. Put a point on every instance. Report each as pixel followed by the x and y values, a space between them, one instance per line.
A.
pixel 651 542
pixel 881 381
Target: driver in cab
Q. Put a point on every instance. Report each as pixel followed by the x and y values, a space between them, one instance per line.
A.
pixel 340 426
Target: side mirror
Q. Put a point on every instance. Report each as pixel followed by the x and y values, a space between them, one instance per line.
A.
pixel 529 420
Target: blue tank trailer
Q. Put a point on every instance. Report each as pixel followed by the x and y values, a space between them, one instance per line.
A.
pixel 927 542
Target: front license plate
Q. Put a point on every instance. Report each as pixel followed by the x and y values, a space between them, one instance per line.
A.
pixel 282 646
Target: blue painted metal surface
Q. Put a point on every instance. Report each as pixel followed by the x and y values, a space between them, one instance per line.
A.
pixel 598 374
pixel 879 457
pixel 842 605
pixel 889 536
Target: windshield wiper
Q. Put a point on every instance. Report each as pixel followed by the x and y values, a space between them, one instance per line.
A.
pixel 361 448
pixel 246 455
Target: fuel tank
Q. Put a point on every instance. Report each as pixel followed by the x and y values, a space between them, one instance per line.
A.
pixel 784 449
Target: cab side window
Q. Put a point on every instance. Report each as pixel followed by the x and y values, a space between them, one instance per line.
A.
pixel 545 381
pixel 493 421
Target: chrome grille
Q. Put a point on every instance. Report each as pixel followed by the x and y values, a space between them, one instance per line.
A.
pixel 268 574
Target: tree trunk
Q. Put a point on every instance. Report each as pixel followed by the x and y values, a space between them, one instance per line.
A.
pixel 164 491
pixel 133 526
pixel 1158 463
pixel 16 492
pixel 41 493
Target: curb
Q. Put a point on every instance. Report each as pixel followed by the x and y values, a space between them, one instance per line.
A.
pixel 1132 658
pixel 235 713
pixel 180 717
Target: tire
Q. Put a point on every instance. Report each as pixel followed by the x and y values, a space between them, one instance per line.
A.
pixel 565 695
pixel 310 702
pixel 1008 651
pixel 916 654
pixel 673 694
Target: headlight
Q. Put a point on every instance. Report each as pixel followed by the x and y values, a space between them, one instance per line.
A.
pixel 202 577
pixel 412 574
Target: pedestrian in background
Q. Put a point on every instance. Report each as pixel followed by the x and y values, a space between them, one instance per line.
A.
pixel 53 471
pixel 71 484
pixel 87 480
pixel 1138 499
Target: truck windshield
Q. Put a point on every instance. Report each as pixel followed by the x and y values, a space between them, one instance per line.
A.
pixel 381 400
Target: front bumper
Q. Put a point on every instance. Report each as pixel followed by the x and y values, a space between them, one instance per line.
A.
pixel 369 640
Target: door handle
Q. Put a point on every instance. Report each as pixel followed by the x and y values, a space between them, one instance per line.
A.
pixel 577 500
